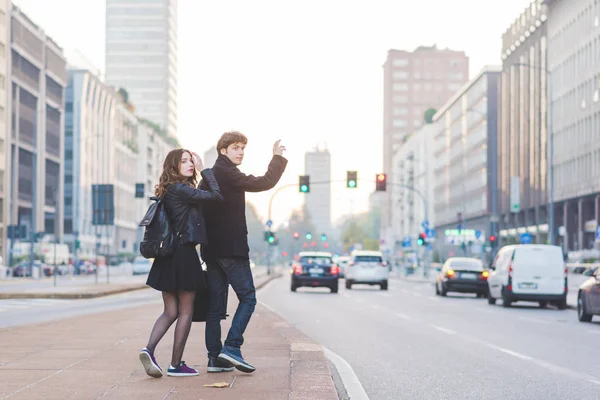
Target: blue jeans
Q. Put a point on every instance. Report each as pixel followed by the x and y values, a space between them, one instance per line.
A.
pixel 220 272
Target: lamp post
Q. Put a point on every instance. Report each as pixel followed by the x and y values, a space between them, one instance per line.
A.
pixel 550 149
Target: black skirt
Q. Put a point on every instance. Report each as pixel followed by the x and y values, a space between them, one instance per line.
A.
pixel 182 271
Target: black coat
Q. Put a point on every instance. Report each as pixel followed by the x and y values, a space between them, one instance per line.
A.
pixel 183 206
pixel 226 220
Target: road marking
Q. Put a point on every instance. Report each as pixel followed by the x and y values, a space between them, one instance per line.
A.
pixel 354 388
pixel 346 295
pixel 417 294
pixel 510 352
pixel 360 300
pixel 433 298
pixel 385 294
pixel 406 317
pixel 594 331
pixel 375 306
pixel 539 321
pixel 404 290
pixel 445 330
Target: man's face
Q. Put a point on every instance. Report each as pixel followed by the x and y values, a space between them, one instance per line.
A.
pixel 235 152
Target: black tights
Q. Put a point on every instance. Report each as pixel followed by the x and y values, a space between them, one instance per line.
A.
pixel 178 306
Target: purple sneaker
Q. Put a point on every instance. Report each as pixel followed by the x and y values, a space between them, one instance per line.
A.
pixel 181 370
pixel 150 364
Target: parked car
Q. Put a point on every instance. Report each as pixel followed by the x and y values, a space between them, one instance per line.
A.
pixel 463 275
pixel 588 299
pixel 342 262
pixel 529 272
pixel 367 267
pixel 315 269
pixel 141 265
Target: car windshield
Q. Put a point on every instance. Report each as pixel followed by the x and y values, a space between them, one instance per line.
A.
pixel 467 265
pixel 368 259
pixel 318 260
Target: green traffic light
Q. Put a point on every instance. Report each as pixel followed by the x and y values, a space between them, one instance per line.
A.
pixel 323 237
pixel 271 239
pixel 352 184
pixel 308 236
pixel 304 188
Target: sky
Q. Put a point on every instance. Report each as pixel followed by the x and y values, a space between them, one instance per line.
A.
pixel 306 72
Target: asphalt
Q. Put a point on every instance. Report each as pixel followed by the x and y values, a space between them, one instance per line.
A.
pixel 407 343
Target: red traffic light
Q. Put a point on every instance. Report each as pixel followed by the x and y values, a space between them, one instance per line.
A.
pixel 422 235
pixel 296 235
pixel 380 182
pixel 492 238
pixel 381 177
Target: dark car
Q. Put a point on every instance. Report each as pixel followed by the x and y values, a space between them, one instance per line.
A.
pixel 462 275
pixel 588 300
pixel 315 269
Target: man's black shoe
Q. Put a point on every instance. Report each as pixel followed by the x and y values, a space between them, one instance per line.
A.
pixel 219 365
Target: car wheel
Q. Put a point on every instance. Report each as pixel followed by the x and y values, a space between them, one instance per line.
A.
pixel 437 289
pixel 444 291
pixel 505 299
pixel 384 285
pixel 562 304
pixel 543 304
pixel 293 288
pixel 491 300
pixel 348 285
pixel 582 314
pixel 334 289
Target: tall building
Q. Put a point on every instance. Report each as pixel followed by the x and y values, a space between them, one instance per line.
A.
pixel 465 159
pixel 35 144
pixel 413 83
pixel 317 165
pixel 101 149
pixel 4 125
pixel 413 167
pixel 141 56
pixel 573 30
pixel 523 130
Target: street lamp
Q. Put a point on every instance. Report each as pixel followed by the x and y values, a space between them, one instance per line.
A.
pixel 550 148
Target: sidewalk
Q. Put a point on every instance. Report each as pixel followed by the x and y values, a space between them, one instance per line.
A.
pixel 96 356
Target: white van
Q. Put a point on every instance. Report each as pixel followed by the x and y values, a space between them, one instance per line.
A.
pixel 529 272
pixel 367 267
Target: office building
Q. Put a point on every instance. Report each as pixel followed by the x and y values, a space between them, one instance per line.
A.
pixel 317 165
pixel 5 7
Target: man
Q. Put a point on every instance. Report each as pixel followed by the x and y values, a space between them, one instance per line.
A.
pixel 227 251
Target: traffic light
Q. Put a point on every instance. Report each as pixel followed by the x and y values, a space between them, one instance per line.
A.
pixel 308 236
pixel 304 184
pixel 493 240
pixel 421 240
pixel 323 237
pixel 296 235
pixel 271 238
pixel 351 179
pixel 380 182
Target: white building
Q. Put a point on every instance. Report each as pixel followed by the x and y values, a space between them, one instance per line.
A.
pixel 573 42
pixel 465 163
pixel 5 6
pixel 100 148
pixel 413 168
pixel 210 157
pixel 38 76
pixel 317 165
pixel 141 56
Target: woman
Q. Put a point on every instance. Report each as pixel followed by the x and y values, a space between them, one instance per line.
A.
pixel 179 276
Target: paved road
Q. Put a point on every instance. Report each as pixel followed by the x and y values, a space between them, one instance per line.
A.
pixel 407 343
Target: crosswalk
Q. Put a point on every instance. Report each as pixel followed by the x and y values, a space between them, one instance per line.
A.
pixel 21 304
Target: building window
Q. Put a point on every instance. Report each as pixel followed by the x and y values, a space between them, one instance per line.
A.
pixel 52 183
pixel 400 87
pixel 26 175
pixel 400 75
pixel 400 111
pixel 400 99
pixel 400 62
pixel 399 123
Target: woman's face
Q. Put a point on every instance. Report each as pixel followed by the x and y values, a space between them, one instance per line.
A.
pixel 186 166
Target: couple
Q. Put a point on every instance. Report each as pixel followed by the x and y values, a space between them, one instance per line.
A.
pixel 211 214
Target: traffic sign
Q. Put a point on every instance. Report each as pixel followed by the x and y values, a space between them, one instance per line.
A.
pixel 269 223
pixel 525 238
pixel 477 234
pixel 430 233
pixel 598 233
pixel 406 242
pixel 425 224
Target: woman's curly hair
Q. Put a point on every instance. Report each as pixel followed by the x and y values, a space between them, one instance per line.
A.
pixel 170 174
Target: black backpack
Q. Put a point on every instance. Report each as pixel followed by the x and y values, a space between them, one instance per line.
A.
pixel 159 238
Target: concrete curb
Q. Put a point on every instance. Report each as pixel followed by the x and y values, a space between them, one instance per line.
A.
pixel 75 295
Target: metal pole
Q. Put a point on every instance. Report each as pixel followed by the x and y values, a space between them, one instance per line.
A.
pixel 55 231
pixel 551 230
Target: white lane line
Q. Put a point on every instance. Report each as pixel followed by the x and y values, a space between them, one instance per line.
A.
pixel 417 294
pixel 594 331
pixel 404 290
pixel 352 384
pixel 537 320
pixel 346 295
pixel 359 300
pixel 445 330
pixel 433 298
pixel 375 306
pixel 406 317
pixel 385 295
pixel 510 352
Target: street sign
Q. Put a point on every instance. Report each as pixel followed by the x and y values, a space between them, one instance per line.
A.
pixel 406 242
pixel 477 234
pixel 425 224
pixel 430 233
pixel 515 194
pixel 598 233
pixel 526 238
pixel 269 223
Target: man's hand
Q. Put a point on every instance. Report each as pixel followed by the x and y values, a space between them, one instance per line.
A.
pixel 198 162
pixel 278 149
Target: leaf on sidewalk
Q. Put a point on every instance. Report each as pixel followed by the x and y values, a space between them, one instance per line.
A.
pixel 218 385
